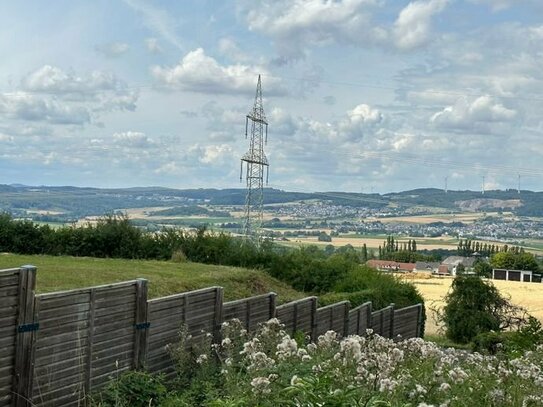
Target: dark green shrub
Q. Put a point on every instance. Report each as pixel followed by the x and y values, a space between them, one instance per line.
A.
pixel 475 306
pixel 134 389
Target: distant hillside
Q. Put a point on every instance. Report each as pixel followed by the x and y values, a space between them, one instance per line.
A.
pixel 527 203
pixel 74 202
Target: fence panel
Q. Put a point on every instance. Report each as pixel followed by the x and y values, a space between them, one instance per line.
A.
pixel 382 320
pixel 10 283
pixel 299 316
pixel 334 317
pixel 199 311
pixel 251 311
pixel 407 321
pixel 360 319
pixel 85 336
pixel 57 348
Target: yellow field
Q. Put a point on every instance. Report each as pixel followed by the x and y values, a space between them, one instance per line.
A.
pixel 527 295
pixel 445 218
pixel 429 243
pixel 373 242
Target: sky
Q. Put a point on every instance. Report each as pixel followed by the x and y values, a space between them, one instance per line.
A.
pixel 360 95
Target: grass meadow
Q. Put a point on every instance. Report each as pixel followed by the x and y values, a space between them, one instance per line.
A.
pixel 165 278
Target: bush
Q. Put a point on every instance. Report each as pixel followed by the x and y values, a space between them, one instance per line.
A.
pixel 133 389
pixel 178 256
pixel 475 306
pixel 514 343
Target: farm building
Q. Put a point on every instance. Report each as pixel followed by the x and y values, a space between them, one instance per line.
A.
pixel 526 276
pixel 389 265
pixel 452 262
pixel 425 266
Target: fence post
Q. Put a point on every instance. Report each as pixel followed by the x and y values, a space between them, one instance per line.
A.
pixel 313 319
pixel 273 305
pixel 142 324
pixel 26 334
pixel 247 315
pixel 369 318
pixel 219 298
pixel 392 307
pixel 419 321
pixel 346 319
pixel 90 334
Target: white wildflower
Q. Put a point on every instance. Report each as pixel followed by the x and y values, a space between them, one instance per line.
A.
pixel 261 385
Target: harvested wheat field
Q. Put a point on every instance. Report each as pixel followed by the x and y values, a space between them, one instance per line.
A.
pixel 527 295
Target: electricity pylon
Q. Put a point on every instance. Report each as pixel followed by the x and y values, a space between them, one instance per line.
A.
pixel 255 160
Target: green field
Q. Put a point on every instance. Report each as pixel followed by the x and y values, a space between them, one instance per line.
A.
pixel 165 278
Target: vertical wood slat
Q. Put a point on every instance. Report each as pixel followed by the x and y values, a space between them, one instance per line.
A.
pixel 141 332
pixel 273 305
pixel 346 319
pixel 313 334
pixel 24 349
pixel 90 334
pixel 369 320
pixel 391 326
pixel 247 315
pixel 219 297
pixel 419 321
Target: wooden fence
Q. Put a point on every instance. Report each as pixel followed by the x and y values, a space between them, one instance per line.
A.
pixel 57 348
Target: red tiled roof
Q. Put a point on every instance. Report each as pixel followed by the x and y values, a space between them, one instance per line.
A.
pixel 389 264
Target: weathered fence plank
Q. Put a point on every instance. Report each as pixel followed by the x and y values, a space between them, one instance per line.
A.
pixel 251 311
pixel 85 335
pixel 26 328
pixel 360 319
pixel 10 281
pixel 195 310
pixel 299 316
pixel 407 321
pixel 334 317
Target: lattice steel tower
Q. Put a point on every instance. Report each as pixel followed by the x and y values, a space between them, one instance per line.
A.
pixel 255 160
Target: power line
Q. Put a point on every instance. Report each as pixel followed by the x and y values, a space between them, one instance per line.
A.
pixel 350 84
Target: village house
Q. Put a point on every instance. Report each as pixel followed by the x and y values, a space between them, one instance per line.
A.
pixel 452 263
pixel 389 265
pixel 425 266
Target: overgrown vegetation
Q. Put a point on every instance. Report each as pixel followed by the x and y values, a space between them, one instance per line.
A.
pixel 273 369
pixel 307 269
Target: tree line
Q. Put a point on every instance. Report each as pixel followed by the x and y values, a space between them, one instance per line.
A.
pixel 307 269
pixel 469 247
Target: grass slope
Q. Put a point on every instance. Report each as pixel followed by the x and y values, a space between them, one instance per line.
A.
pixel 165 278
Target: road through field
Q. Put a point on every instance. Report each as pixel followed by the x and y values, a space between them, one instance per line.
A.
pixel 527 295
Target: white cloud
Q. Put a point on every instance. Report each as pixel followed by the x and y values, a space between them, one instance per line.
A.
pixel 132 139
pixel 212 154
pixel 51 79
pixel 230 49
pixel 412 28
pixel 465 113
pixel 158 20
pixel 4 138
pixel 296 24
pixel 496 5
pixel 24 106
pixel 112 49
pixel 198 72
pixel 153 46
